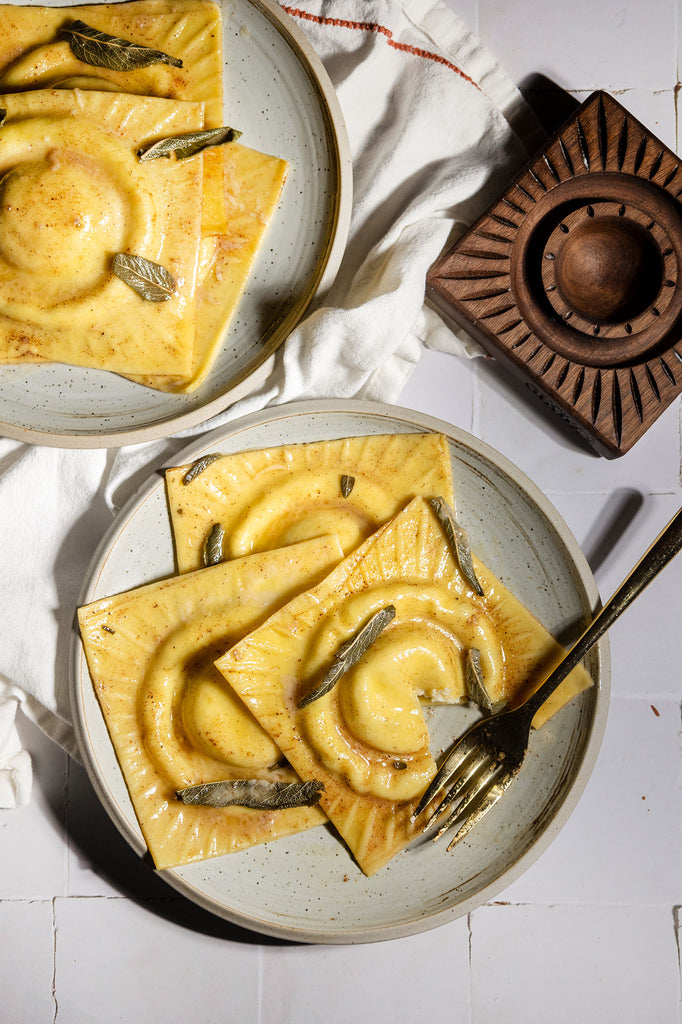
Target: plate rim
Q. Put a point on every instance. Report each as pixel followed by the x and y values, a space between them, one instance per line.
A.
pixel 328 265
pixel 595 728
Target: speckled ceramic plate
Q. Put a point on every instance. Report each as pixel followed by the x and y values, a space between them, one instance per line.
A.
pixel 279 95
pixel 308 888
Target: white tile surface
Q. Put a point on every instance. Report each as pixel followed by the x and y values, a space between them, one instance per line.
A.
pixel 585 45
pixel 33 854
pixel 444 387
pixel 518 425
pixel 385 979
pixel 117 960
pixel 26 961
pixel 623 842
pixel 613 531
pixel 588 933
pixel 100 861
pixel 573 964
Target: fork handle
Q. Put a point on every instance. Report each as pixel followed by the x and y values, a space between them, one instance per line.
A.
pixel 665 547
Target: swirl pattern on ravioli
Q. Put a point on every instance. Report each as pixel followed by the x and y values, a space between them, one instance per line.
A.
pixel 366 738
pixel 172 720
pixel 72 194
pixel 240 191
pixel 271 496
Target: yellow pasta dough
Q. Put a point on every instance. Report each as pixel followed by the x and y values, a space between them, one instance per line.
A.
pixel 366 738
pixel 171 718
pixel 240 187
pixel 33 56
pixel 267 497
pixel 73 193
pixel 253 184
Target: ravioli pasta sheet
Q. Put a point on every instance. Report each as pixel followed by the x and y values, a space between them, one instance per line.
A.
pixel 253 183
pixel 223 673
pixel 171 718
pixel 367 739
pixel 103 200
pixel 272 496
pixel 32 55
pixel 72 193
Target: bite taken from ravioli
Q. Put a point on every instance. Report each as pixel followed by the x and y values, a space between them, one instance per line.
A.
pixel 366 737
pixel 263 498
pixel 172 720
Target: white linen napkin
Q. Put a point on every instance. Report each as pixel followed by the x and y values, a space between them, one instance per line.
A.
pixel 436 129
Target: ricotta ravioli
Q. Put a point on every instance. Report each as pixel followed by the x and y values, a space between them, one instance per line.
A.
pixel 267 497
pixel 33 56
pixel 240 187
pixel 367 738
pixel 172 720
pixel 72 193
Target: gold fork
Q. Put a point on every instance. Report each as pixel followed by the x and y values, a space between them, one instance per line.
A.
pixel 483 762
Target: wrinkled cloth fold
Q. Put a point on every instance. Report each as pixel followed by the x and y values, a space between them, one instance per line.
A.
pixel 436 128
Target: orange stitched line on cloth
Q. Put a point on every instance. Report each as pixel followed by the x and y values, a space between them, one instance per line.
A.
pixel 370 26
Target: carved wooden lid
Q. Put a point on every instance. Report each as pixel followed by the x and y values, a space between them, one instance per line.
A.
pixel 573 277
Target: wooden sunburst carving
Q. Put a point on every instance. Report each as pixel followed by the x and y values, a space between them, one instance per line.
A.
pixel 573 277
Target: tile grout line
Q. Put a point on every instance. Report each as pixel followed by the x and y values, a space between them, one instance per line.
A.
pixel 54 960
pixel 259 989
pixel 677 927
pixel 470 950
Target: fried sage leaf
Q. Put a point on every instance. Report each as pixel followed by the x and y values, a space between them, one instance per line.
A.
pixel 477 691
pixel 187 145
pixel 258 794
pixel 150 280
pixel 101 50
pixel 213 548
pixel 199 466
pixel 350 652
pixel 458 539
pixel 347 484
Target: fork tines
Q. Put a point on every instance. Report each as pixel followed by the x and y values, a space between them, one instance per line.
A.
pixel 472 778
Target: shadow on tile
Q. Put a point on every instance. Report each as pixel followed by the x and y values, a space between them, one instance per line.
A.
pixel 551 104
pixel 101 849
pixel 615 518
pixel 521 396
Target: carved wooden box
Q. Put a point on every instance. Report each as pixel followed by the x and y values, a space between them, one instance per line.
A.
pixel 573 277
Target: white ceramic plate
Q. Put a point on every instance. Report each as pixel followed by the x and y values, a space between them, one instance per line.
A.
pixel 279 95
pixel 308 888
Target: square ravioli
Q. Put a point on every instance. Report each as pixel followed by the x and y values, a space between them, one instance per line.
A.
pixel 267 497
pixel 34 55
pixel 241 186
pixel 253 183
pixel 366 738
pixel 172 720
pixel 73 193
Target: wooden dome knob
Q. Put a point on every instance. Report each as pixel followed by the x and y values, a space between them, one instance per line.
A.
pixel 608 268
